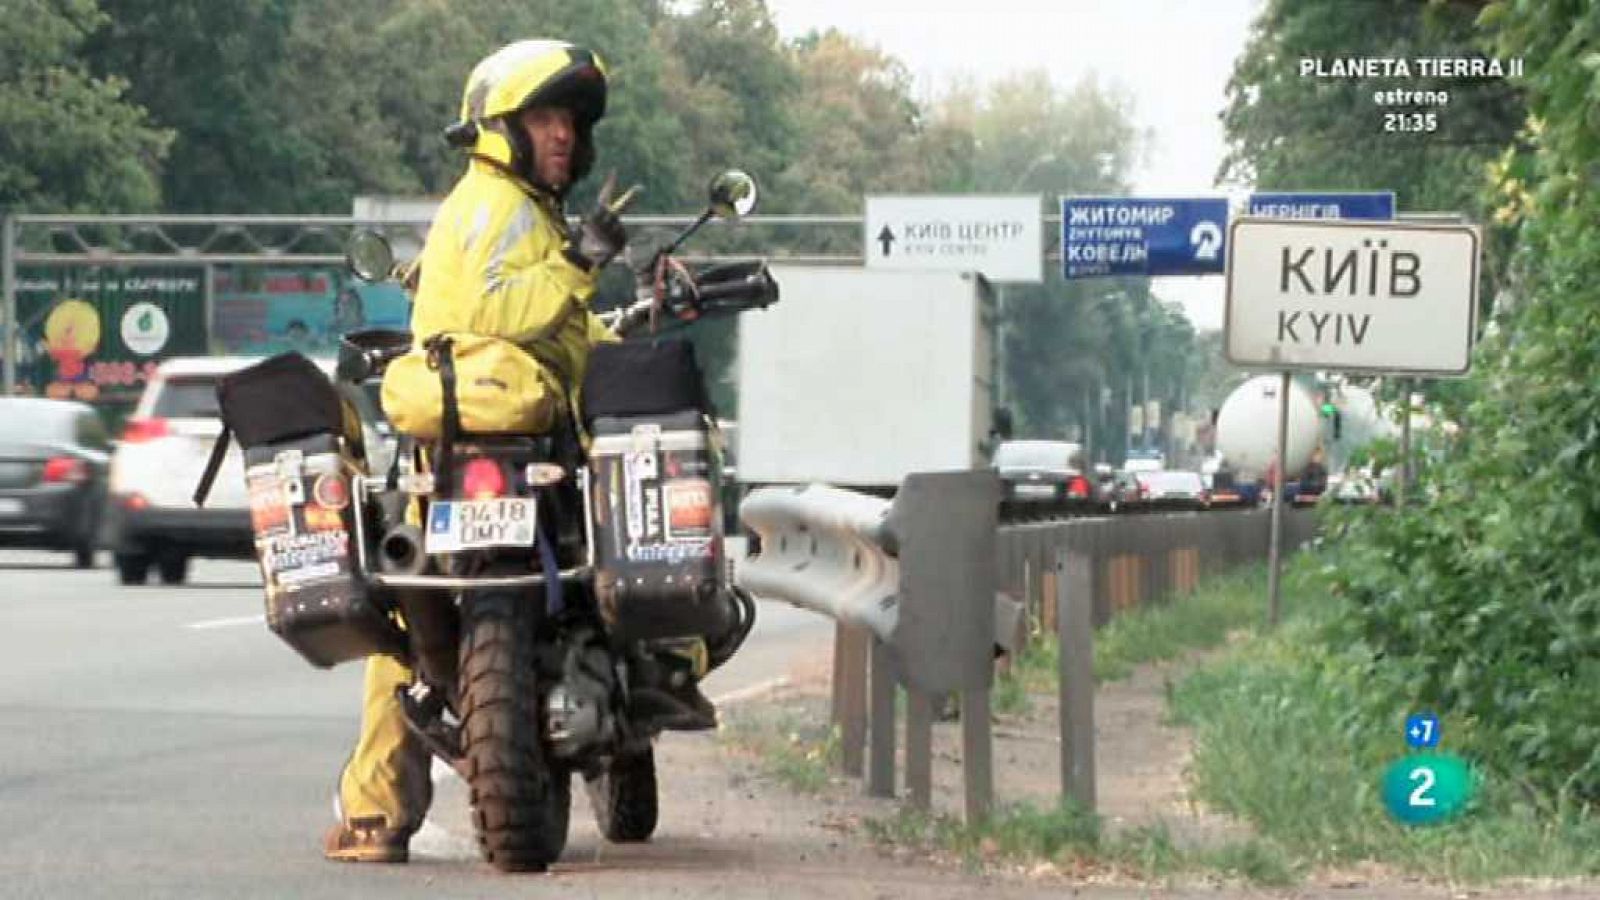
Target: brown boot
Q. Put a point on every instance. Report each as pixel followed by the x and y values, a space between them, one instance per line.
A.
pixel 364 840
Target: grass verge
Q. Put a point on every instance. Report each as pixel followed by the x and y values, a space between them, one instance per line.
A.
pixel 1073 841
pixel 1293 735
pixel 794 747
pixel 1200 620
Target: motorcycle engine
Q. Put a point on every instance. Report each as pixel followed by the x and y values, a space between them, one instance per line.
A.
pixel 578 712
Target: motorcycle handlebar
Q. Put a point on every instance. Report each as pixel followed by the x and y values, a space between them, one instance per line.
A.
pixel 756 290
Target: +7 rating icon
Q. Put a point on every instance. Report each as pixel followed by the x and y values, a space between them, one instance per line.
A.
pixel 1422 730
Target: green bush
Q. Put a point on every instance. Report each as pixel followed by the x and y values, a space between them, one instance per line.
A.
pixel 1484 601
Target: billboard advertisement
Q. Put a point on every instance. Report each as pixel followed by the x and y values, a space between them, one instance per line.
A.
pixel 96 334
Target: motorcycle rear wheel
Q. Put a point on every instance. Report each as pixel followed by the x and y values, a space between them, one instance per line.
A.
pixel 520 800
pixel 624 798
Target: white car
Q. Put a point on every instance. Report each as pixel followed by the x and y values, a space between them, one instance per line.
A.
pixel 154 522
pixel 1174 488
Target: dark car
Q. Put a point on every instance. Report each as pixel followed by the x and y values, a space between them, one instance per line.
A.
pixel 1308 489
pixel 1042 472
pixel 53 457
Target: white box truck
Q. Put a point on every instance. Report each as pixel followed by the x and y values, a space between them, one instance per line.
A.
pixel 860 377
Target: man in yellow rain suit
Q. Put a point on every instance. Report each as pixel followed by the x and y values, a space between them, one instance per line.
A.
pixel 499 261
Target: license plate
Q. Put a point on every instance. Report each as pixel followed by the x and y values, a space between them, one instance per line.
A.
pixel 10 506
pixel 456 525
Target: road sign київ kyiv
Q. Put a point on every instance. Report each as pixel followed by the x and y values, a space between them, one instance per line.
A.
pixel 1142 236
pixel 1352 296
pixel 996 235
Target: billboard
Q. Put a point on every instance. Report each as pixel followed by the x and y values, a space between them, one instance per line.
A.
pixel 96 334
pixel 260 311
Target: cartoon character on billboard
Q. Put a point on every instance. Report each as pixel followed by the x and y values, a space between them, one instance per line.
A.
pixel 71 335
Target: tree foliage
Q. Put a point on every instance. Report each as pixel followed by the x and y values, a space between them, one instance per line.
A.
pixel 1289 131
pixel 68 140
pixel 1485 600
pixel 295 106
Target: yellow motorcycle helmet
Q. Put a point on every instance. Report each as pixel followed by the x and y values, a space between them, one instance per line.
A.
pixel 517 76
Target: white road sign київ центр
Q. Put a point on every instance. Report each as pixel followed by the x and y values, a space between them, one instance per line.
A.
pixel 1357 296
pixel 997 235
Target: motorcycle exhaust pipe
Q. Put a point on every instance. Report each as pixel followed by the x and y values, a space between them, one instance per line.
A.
pixel 400 551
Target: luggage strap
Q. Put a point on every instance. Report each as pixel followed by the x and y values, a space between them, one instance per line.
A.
pixel 219 451
pixel 442 358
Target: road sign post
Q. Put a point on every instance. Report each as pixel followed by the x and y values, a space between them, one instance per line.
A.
pixel 1275 541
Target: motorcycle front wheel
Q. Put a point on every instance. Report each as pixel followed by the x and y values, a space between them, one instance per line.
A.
pixel 520 800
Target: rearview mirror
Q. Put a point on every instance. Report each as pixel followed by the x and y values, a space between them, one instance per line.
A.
pixel 369 256
pixel 733 194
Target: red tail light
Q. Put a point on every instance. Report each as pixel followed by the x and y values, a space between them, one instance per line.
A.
pixel 482 479
pixel 141 430
pixel 1078 488
pixel 65 470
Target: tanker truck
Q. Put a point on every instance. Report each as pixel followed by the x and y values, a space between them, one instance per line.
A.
pixel 1247 432
pixel 1247 429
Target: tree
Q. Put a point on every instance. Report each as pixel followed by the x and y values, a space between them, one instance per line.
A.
pixel 859 131
pixel 1481 601
pixel 205 69
pixel 1292 132
pixel 1289 131
pixel 69 140
pixel 1066 344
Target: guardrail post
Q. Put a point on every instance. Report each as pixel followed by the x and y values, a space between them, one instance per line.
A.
pixel 1047 595
pixel 850 696
pixel 919 748
pixel 1076 690
pixel 1156 560
pixel 1095 544
pixel 977 755
pixel 881 722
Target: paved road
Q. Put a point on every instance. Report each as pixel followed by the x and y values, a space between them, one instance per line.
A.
pixel 161 742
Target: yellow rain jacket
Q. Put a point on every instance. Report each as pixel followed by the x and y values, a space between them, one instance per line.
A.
pixel 493 266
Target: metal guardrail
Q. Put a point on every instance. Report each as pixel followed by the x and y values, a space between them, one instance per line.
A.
pixel 911 583
pixel 1137 559
pixel 827 550
pixel 877 567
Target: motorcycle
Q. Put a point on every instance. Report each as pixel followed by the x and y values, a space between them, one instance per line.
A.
pixel 560 600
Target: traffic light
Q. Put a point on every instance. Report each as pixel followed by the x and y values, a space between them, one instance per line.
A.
pixel 1329 411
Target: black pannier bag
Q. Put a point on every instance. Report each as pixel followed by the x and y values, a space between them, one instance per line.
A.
pixel 302 445
pixel 641 378
pixel 656 474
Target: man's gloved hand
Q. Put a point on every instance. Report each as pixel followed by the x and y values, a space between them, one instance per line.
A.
pixel 601 235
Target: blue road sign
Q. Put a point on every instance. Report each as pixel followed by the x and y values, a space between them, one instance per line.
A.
pixel 1422 730
pixel 1369 205
pixel 1128 236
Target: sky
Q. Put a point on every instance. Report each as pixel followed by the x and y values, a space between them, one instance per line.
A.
pixel 1173 56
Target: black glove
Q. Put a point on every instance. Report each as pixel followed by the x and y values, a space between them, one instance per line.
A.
pixel 601 235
